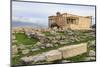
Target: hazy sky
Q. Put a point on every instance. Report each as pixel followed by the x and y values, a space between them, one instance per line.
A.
pixel 39 12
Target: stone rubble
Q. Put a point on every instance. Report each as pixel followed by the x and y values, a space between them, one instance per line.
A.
pixel 14 49
pixel 57 37
pixel 92 53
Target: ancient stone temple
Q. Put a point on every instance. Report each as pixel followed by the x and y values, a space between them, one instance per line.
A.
pixel 70 21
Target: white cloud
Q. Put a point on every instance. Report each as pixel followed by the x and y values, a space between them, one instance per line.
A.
pixel 49 9
pixel 29 20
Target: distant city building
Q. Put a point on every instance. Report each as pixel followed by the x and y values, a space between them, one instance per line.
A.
pixel 70 21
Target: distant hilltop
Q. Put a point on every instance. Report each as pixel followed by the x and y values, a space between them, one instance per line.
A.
pixel 28 24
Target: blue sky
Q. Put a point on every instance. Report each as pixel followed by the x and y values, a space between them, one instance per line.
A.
pixel 39 12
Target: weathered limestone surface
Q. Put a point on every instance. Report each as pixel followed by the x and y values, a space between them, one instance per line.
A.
pixel 53 55
pixel 73 50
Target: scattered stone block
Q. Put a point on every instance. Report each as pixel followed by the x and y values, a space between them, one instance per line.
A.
pixel 21 46
pixel 13 37
pixel 27 59
pixel 62 42
pixel 14 41
pixel 26 51
pixel 54 41
pixel 14 49
pixel 53 55
pixel 49 45
pixel 58 37
pixel 38 44
pixel 56 45
pixel 35 49
pixel 92 53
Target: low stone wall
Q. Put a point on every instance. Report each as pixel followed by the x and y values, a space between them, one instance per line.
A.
pixel 73 50
pixel 63 52
pixel 66 52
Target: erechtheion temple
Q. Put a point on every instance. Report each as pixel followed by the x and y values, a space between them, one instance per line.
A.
pixel 70 21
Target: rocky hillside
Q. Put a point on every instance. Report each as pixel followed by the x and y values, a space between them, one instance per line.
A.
pixel 31 44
